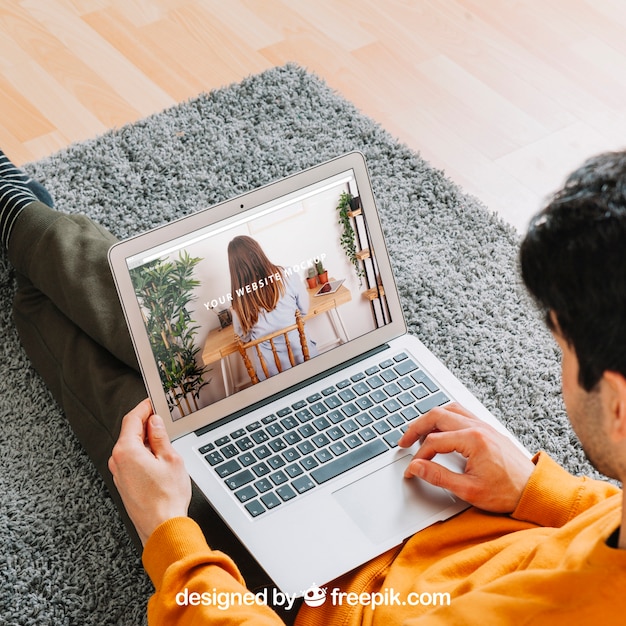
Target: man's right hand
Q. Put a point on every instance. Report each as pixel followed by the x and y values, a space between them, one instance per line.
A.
pixel 148 473
pixel 496 471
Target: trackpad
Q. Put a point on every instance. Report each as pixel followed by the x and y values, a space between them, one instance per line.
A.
pixel 385 503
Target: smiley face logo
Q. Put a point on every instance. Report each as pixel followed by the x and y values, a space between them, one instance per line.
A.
pixel 314 596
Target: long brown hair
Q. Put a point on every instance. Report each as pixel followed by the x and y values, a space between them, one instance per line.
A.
pixel 249 264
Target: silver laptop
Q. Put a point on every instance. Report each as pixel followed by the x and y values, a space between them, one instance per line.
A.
pixel 289 426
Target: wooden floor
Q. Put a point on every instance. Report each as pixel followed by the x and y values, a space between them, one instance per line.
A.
pixel 505 95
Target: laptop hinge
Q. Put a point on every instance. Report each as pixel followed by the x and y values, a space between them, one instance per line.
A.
pixel 289 390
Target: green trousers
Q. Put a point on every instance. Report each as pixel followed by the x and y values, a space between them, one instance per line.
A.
pixel 72 327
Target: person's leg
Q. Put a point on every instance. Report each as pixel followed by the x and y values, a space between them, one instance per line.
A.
pixel 72 327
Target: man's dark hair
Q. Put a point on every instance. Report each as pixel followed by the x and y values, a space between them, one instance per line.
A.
pixel 573 261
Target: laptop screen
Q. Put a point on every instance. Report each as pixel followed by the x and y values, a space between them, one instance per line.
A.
pixel 250 297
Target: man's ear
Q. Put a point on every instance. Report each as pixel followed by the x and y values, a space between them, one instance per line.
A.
pixel 615 402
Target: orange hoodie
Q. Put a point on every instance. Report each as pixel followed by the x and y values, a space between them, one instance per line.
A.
pixel 547 563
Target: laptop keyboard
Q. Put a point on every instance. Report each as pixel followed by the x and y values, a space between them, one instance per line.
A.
pixel 320 437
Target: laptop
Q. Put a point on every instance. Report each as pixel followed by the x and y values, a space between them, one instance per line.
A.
pixel 301 463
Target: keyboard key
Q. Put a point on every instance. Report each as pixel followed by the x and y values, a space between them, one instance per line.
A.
pixel 375 382
pixel 278 478
pixel 229 451
pixel 406 398
pixel 410 413
pixel 386 363
pixel 350 409
pixel 421 377
pixel 333 402
pixel 395 420
pixel 309 463
pixel 392 405
pixel 228 468
pixel 255 508
pixel 284 411
pixel 291 455
pixel 392 438
pixel 342 384
pixel 207 448
pixel 378 412
pixel 277 445
pixel 260 469
pixel 293 470
pixel 300 404
pixel 262 452
pixel 388 375
pixel 306 447
pixel 328 391
pixel 364 403
pixel 392 389
pixel 405 367
pixel 320 440
pixel 420 392
pixel 363 419
pixel 275 462
pixel 247 458
pixel 338 448
pixel 273 430
pixel 304 416
pixel 318 408
pixel 239 480
pixel 367 434
pixel 334 433
pixel 270 500
pixel 253 426
pixel 323 455
pixel 222 440
pixel 336 416
pixel 292 438
pixel 286 493
pixel 214 458
pixel 432 401
pixel 406 383
pixel 372 370
pixel 307 430
pixel 247 493
pixel 289 422
pixel 357 377
pixel 378 396
pixel 263 485
pixel 269 419
pixel 240 432
pixel 245 443
pixel 347 394
pixel 353 441
pixel 321 423
pixel 349 426
pixel 302 484
pixel 382 427
pixel 348 461
pixel 400 357
pixel 361 388
pixel 314 398
pixel 259 436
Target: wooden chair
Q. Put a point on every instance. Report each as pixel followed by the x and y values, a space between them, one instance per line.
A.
pixel 255 344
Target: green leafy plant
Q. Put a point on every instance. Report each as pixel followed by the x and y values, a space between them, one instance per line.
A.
pixel 164 289
pixel 348 236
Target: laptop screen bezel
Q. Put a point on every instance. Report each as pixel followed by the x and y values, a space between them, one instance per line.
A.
pixel 236 403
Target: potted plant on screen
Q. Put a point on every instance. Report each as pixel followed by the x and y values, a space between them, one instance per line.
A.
pixel 164 289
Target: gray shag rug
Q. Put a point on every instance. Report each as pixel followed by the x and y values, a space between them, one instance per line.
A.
pixel 64 554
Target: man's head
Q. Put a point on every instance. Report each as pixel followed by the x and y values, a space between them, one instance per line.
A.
pixel 573 261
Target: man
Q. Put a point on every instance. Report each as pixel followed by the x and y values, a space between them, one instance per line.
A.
pixel 538 547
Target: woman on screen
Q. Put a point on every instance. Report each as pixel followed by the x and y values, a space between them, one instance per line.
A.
pixel 265 300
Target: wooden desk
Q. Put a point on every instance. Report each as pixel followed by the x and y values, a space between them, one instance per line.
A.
pixel 221 342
